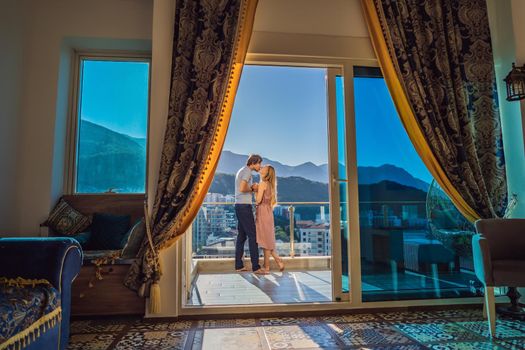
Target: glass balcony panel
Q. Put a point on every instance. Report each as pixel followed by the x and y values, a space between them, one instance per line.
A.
pixel 214 230
pixel 414 243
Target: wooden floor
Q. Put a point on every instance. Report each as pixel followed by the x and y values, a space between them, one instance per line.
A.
pixel 248 288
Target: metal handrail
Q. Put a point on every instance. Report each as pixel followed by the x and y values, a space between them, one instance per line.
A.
pixel 320 203
pixel 291 209
pixel 278 203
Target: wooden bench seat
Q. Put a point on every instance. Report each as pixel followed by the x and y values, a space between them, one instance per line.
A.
pixel 109 296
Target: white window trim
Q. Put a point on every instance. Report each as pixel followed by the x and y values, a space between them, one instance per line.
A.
pixel 74 108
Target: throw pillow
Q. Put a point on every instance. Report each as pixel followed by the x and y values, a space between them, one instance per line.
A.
pixel 65 220
pixel 133 239
pixel 107 231
pixel 83 238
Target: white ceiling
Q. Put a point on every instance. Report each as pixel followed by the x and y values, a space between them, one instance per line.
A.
pixel 325 17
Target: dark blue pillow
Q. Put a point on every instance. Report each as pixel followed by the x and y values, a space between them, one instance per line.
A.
pixel 82 238
pixel 107 231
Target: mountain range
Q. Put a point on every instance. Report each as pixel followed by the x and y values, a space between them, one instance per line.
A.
pixel 298 189
pixel 102 151
pixel 231 162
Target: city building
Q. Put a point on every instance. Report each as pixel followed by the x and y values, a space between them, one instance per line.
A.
pixel 317 235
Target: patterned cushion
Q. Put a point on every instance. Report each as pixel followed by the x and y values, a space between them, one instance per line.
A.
pixel 107 231
pixel 133 239
pixel 66 221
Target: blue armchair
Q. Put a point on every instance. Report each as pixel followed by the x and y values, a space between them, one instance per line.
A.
pixel 57 260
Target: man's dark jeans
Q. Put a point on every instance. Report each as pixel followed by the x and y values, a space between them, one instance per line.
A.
pixel 246 228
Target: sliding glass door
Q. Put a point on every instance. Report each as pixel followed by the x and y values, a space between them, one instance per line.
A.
pixel 281 113
pixel 414 244
pixel 359 218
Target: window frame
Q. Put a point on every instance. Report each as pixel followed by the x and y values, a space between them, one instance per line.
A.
pixel 72 137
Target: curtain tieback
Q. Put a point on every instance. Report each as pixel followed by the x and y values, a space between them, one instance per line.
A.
pixel 154 292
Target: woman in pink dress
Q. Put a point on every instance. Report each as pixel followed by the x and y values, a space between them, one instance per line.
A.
pixel 264 222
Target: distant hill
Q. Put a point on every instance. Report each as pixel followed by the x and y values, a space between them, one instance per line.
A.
pixel 289 189
pixel 387 172
pixel 297 189
pixel 390 191
pixel 103 151
pixel 231 162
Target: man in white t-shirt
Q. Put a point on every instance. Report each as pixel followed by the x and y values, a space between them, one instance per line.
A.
pixel 244 189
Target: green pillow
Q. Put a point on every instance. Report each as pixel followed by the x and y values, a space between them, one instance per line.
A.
pixel 107 231
pixel 83 238
pixel 133 239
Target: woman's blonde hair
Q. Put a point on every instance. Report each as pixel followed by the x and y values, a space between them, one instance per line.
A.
pixel 272 180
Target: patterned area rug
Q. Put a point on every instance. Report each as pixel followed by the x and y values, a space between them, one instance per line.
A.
pixel 445 329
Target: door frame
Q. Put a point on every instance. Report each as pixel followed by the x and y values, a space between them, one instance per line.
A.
pixel 346 66
pixel 333 184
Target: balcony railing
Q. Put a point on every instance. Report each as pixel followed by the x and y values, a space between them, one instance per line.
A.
pixel 283 211
pixel 214 229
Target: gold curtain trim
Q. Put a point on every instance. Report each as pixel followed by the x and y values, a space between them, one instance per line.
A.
pixel 23 338
pixel 243 35
pixel 242 39
pixel 406 113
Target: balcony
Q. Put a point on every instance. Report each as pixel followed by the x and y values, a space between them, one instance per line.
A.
pixel 403 256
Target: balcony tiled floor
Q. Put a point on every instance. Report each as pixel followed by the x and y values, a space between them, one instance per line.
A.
pixel 315 286
pixel 248 288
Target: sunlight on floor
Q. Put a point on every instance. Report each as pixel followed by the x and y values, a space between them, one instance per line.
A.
pixel 248 288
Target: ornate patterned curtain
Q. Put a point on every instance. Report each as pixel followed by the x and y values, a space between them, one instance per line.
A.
pixel 209 47
pixel 436 57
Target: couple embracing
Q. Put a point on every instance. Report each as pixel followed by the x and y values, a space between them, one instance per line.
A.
pixel 260 232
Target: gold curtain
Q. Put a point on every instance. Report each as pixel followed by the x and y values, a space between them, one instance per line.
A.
pixel 475 201
pixel 209 48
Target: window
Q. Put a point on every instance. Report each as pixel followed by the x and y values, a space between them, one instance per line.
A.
pixel 111 125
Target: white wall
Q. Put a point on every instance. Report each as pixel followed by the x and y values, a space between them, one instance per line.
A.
pixel 504 44
pixel 53 28
pixel 311 28
pixel 11 56
pixel 321 17
pixel 518 10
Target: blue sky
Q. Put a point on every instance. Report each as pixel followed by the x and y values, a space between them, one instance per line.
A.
pixel 381 138
pixel 279 112
pixel 115 95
